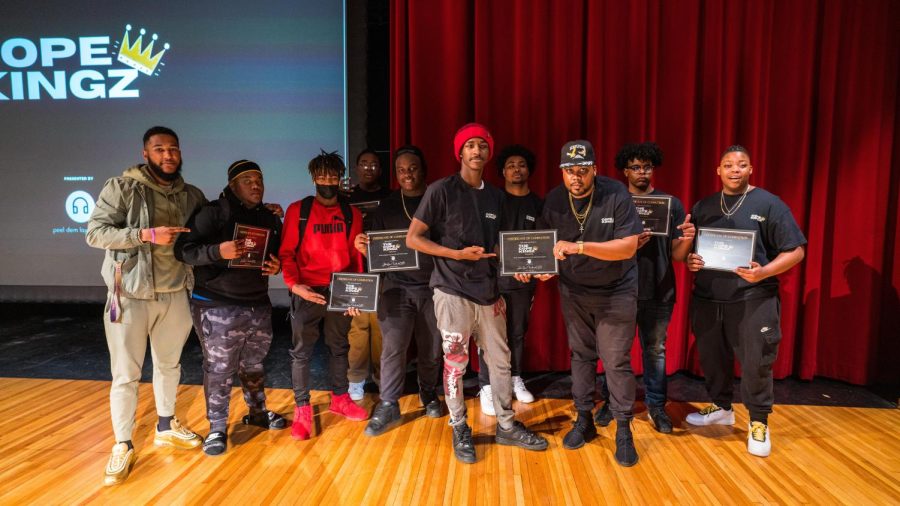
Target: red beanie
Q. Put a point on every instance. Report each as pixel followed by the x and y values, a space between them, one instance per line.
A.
pixel 470 131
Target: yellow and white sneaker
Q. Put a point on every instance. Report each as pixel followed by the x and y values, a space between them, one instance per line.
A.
pixel 711 415
pixel 119 464
pixel 758 442
pixel 178 436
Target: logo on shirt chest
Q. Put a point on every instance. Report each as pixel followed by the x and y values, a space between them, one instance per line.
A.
pixel 529 218
pixel 606 220
pixel 490 216
pixel 335 227
pixel 757 218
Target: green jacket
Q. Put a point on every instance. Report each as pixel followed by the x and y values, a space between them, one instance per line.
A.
pixel 123 208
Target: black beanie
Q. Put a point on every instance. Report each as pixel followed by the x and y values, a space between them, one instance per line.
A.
pixel 239 167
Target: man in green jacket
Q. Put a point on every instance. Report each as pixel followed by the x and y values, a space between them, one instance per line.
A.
pixel 136 220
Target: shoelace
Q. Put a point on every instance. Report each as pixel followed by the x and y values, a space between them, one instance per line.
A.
pixel 464 437
pixel 117 460
pixel 758 431
pixel 518 383
pixel 712 408
pixel 582 424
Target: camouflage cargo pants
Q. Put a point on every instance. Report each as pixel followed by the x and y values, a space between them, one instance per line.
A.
pixel 235 339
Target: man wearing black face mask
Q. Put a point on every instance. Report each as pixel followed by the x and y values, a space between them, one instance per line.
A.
pixel 317 240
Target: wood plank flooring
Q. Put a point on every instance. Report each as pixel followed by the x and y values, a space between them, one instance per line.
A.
pixel 55 438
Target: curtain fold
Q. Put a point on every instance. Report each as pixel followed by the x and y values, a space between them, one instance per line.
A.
pixel 809 87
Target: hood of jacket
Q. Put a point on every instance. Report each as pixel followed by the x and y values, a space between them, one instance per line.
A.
pixel 142 174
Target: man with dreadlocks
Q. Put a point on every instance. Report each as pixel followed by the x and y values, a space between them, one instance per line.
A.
pixel 317 240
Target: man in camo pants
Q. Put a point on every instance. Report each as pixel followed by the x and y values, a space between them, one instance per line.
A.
pixel 230 302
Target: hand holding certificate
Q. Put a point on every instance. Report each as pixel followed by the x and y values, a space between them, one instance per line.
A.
pixel 725 249
pixel 253 252
pixel 654 212
pixel 387 251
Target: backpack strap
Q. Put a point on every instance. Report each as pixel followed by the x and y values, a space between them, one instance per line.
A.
pixel 305 210
pixel 348 216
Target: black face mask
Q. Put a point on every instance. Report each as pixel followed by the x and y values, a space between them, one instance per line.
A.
pixel 161 174
pixel 327 191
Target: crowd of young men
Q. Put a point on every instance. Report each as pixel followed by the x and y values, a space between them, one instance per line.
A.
pixel 614 276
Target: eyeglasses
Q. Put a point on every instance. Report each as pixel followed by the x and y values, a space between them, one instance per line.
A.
pixel 577 171
pixel 641 168
pixel 368 165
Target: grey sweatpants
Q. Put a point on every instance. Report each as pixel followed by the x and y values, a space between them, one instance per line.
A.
pixel 458 319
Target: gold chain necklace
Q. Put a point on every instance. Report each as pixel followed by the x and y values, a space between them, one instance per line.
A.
pixel 728 212
pixel 403 202
pixel 581 217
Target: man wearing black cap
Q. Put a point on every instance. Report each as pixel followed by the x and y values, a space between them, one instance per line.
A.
pixel 521 210
pixel 230 302
pixel 656 280
pixel 598 228
pixel 463 215
pixel 406 308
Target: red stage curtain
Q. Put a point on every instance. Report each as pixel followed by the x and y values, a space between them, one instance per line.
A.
pixel 810 87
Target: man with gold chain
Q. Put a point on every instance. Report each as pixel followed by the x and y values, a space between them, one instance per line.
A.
pixel 598 228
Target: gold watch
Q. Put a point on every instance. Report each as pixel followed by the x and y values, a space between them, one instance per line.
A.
pixel 580 247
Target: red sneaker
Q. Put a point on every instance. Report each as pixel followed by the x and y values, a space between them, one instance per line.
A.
pixel 343 405
pixel 302 426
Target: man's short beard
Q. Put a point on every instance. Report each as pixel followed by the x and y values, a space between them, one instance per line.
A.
pixel 161 174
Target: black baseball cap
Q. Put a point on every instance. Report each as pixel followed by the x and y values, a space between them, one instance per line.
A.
pixel 578 152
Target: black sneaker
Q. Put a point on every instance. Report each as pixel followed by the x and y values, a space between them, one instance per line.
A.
pixel 518 435
pixel 266 420
pixel 215 443
pixel 626 454
pixel 603 416
pixel 661 421
pixel 385 416
pixel 583 431
pixel 463 447
pixel 433 407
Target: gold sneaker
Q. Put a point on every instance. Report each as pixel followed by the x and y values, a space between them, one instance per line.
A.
pixel 119 464
pixel 177 437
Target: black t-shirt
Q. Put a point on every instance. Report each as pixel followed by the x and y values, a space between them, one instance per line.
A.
pixel 656 277
pixel 776 232
pixel 519 213
pixel 613 216
pixel 358 196
pixel 394 213
pixel 458 216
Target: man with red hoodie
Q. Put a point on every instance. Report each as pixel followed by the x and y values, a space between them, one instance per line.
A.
pixel 317 240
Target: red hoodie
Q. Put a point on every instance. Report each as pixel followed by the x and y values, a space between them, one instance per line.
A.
pixel 326 247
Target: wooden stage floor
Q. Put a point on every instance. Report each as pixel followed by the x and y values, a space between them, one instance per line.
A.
pixel 55 438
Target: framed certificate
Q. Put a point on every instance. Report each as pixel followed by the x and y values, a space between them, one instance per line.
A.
pixel 528 252
pixel 388 252
pixel 255 240
pixel 366 207
pixel 350 289
pixel 725 249
pixel 654 212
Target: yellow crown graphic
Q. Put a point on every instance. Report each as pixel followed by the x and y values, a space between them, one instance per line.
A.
pixel 131 54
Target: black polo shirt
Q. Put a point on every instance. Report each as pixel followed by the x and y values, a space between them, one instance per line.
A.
pixel 458 216
pixel 392 215
pixel 519 213
pixel 656 276
pixel 776 232
pixel 613 216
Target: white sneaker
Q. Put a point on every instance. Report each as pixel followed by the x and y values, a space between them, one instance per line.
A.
pixel 522 393
pixel 487 401
pixel 758 442
pixel 357 390
pixel 711 415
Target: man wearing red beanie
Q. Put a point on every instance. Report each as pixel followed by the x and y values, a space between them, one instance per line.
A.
pixel 463 214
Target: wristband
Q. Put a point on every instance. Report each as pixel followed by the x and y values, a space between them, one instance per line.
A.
pixel 152 236
pixel 580 247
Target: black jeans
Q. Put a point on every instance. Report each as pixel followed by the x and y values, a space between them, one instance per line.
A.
pixel 750 330
pixel 601 326
pixel 518 311
pixel 402 315
pixel 305 318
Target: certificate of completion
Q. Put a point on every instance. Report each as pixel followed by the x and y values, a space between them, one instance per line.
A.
pixel 654 212
pixel 725 249
pixel 528 252
pixel 388 252
pixel 366 207
pixel 255 241
pixel 354 290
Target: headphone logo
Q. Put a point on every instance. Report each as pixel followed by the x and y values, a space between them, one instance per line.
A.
pixel 79 206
